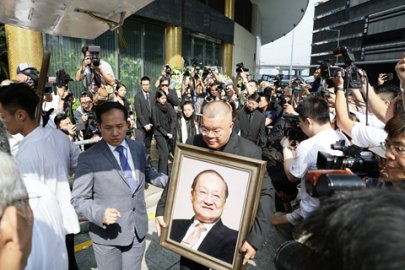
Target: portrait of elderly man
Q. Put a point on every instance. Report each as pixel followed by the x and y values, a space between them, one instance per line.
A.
pixel 205 231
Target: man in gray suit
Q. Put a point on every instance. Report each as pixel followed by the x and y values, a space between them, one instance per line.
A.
pixel 109 191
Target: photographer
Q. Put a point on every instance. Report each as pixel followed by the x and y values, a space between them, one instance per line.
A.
pixel 63 123
pixel 193 89
pixel 314 121
pixel 94 71
pixel 85 116
pixel 362 135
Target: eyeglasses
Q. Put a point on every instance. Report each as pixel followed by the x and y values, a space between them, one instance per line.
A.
pixel 164 85
pixel 395 149
pixel 205 132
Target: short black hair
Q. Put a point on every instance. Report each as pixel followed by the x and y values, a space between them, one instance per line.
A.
pixel 160 94
pixel 255 96
pixel 314 107
pixel 108 106
pixel 145 78
pixel 19 96
pixel 357 230
pixel 59 118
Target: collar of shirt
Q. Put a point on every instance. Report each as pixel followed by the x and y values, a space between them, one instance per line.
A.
pixel 127 153
pixel 192 227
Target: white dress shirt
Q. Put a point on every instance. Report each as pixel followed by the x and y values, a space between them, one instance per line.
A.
pixel 127 154
pixel 47 154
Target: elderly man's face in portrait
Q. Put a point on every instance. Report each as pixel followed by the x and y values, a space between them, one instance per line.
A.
pixel 208 198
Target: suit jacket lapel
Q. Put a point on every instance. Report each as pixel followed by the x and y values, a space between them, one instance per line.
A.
pixel 107 153
pixel 212 238
pixel 233 144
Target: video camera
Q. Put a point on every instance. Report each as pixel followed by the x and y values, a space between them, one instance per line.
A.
pixel 352 76
pixel 186 72
pixel 94 55
pixel 321 183
pixel 359 160
pixel 292 129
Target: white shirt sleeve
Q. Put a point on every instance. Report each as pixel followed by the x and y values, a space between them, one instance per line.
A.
pixel 366 136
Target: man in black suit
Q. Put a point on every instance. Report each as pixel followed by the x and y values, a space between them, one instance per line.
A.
pixel 143 105
pixel 205 232
pixel 252 122
pixel 216 134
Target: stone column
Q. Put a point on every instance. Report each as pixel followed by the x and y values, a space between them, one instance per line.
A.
pixel 173 38
pixel 228 47
pixel 23 45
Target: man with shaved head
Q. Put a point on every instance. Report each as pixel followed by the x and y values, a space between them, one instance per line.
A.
pixel 216 134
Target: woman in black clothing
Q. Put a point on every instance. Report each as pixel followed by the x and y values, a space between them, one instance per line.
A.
pixel 164 122
pixel 187 122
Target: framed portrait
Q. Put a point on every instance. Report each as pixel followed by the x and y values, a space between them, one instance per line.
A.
pixel 211 205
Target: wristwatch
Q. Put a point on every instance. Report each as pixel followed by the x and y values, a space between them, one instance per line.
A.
pixel 339 88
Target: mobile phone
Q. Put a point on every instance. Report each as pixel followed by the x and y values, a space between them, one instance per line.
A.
pixel 390 76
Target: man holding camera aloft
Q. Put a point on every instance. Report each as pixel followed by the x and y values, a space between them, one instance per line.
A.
pixel 94 71
pixel 314 121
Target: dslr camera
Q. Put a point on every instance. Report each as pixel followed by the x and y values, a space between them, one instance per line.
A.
pixel 168 70
pixel 240 67
pixel 62 78
pixel 291 128
pixel 94 55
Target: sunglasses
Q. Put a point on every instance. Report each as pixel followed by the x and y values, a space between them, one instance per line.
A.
pixel 164 85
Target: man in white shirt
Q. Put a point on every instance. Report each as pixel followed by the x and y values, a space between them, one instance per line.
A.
pixel 44 153
pixel 315 123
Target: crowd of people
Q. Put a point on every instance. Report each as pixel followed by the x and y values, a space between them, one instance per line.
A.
pixel 105 144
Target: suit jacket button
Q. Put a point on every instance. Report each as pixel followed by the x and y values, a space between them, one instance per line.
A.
pixel 133 209
pixel 133 195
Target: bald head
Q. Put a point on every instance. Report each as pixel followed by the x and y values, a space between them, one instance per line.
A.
pixel 216 124
pixel 218 109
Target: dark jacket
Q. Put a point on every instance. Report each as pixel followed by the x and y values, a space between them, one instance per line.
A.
pixel 243 147
pixel 164 120
pixel 220 242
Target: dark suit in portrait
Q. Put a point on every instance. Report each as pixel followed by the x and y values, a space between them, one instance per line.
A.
pixel 220 242
pixel 143 111
pixel 100 184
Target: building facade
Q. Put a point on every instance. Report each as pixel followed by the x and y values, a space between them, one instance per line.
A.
pixel 373 29
pixel 216 33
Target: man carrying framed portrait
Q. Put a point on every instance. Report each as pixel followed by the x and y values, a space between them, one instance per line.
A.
pixel 216 134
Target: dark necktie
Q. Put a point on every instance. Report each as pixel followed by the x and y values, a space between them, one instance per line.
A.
pixel 147 100
pixel 126 168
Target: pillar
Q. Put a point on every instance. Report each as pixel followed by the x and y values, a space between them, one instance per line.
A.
pixel 228 47
pixel 23 45
pixel 173 38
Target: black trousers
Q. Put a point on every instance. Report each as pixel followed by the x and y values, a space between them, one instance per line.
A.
pixel 145 137
pixel 70 246
pixel 163 147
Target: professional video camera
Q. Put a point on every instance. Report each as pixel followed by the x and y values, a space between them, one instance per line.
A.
pixel 94 55
pixel 320 183
pixel 359 160
pixel 351 76
pixel 292 129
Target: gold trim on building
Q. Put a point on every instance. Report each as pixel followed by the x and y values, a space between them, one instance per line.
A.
pixel 23 45
pixel 173 38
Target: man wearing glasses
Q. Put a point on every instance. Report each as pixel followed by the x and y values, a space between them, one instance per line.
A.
pixel 171 94
pixel 217 134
